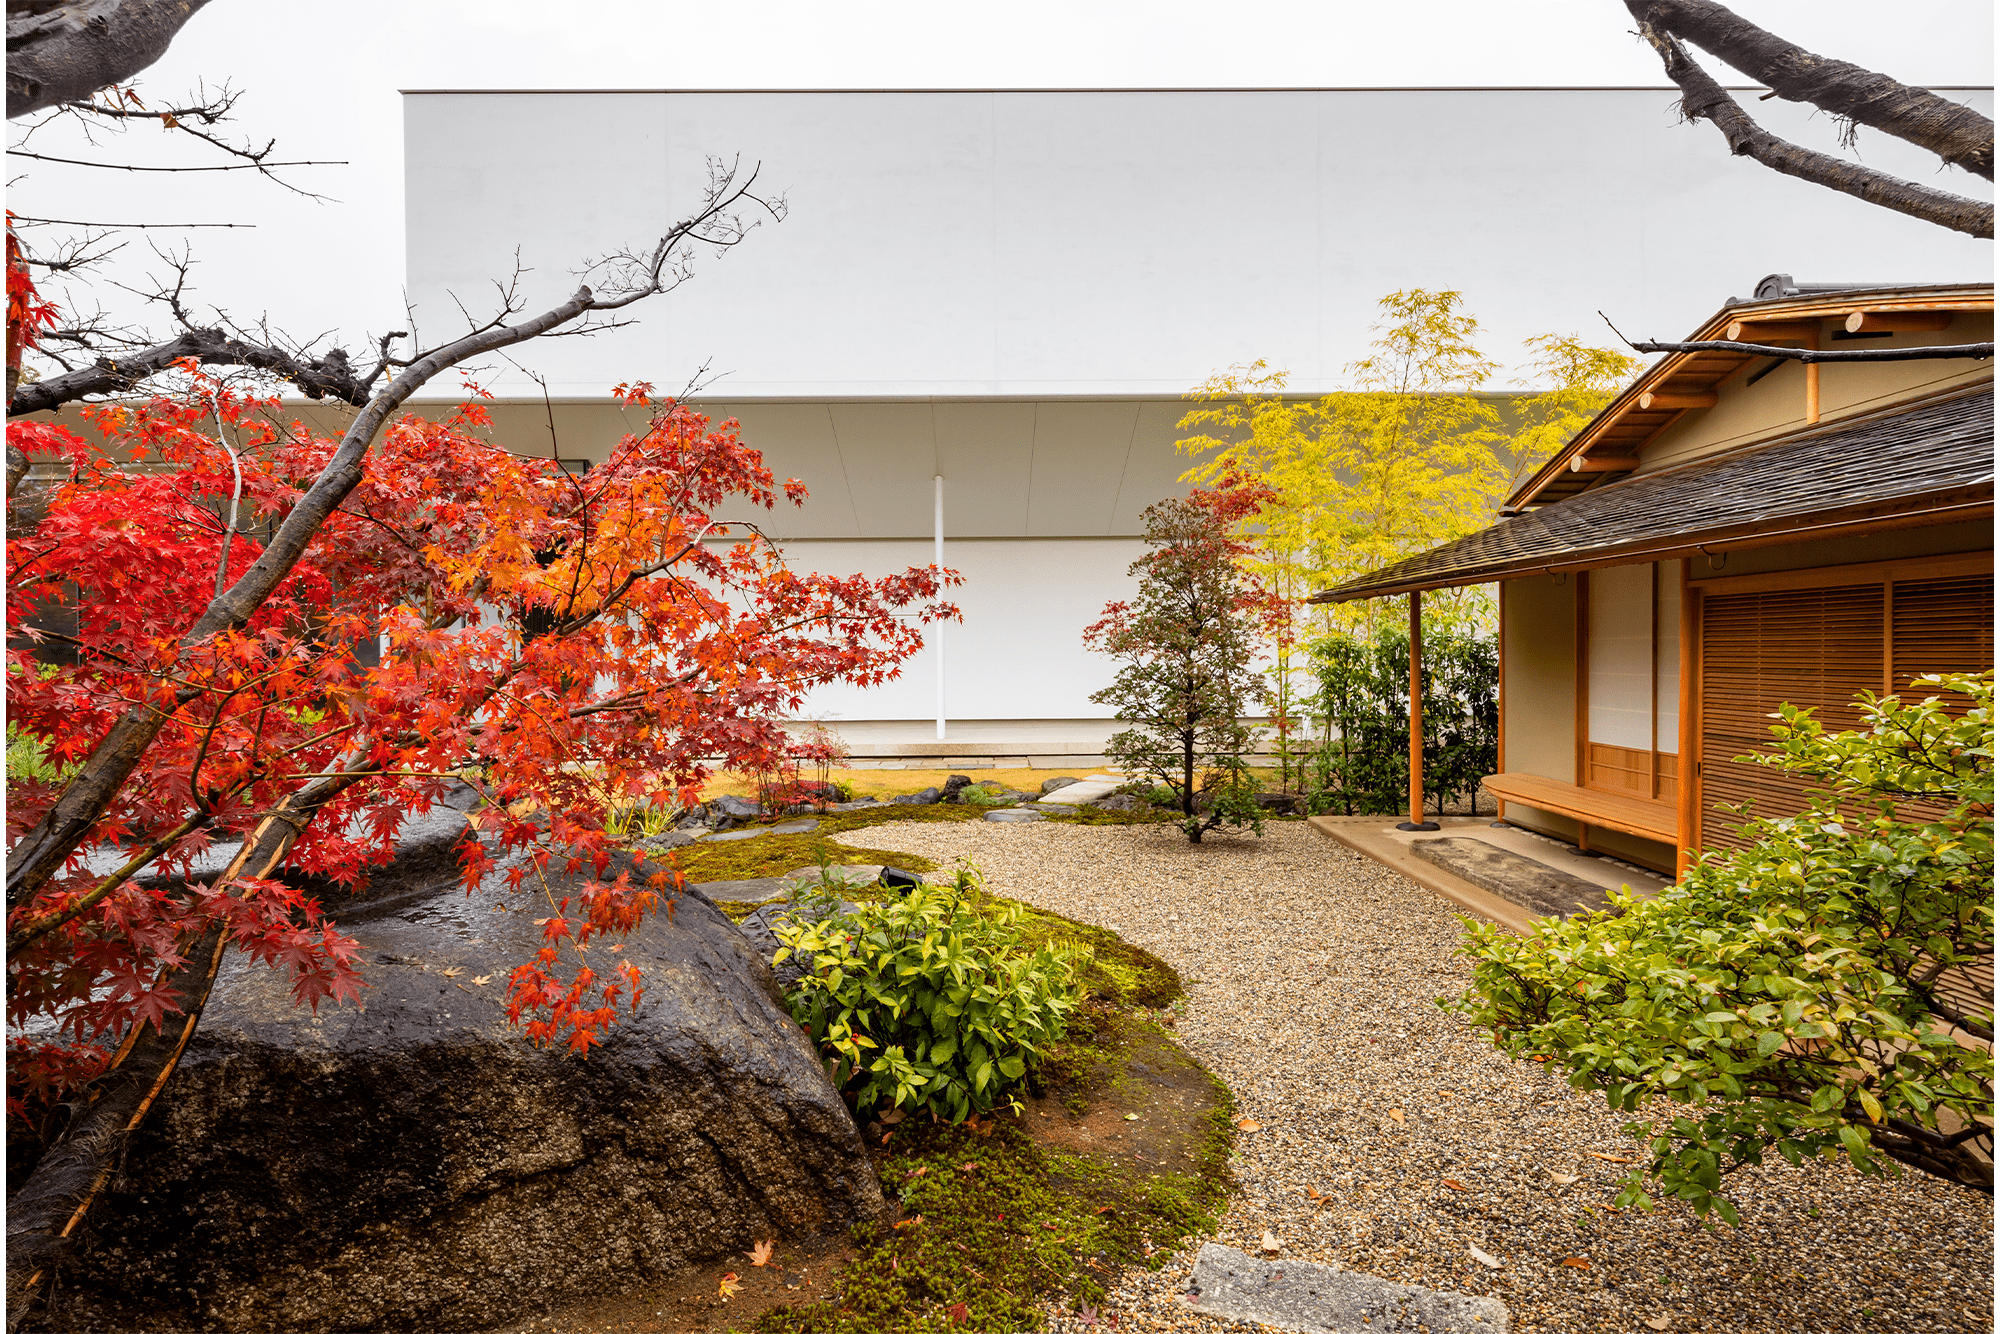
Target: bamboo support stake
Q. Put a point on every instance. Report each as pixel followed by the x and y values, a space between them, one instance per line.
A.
pixel 1416 820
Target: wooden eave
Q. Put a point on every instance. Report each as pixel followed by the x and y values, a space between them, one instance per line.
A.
pixel 1612 441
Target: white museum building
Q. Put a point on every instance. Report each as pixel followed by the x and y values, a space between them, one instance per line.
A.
pixel 976 325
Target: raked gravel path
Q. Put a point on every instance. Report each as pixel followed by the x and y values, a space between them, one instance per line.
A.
pixel 1311 973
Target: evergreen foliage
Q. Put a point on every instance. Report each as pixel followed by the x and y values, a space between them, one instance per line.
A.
pixel 1360 766
pixel 1826 991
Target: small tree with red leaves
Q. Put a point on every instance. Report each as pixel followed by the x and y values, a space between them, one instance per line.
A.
pixel 1187 649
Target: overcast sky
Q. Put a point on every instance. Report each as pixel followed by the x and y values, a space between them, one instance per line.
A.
pixel 329 90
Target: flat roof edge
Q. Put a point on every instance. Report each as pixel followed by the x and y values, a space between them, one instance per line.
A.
pixel 1354 88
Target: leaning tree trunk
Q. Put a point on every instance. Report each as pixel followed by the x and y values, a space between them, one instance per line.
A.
pixel 43 1217
pixel 1958 134
pixel 1702 98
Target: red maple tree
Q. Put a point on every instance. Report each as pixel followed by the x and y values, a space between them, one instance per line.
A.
pixel 571 644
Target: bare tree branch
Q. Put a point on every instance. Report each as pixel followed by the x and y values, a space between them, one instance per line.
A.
pixel 120 166
pixel 62 50
pixel 1958 134
pixel 40 853
pixel 1702 98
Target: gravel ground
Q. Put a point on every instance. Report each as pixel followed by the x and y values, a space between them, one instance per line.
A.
pixel 1311 972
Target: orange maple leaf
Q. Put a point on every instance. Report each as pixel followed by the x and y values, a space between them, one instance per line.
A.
pixel 727 1288
pixel 759 1253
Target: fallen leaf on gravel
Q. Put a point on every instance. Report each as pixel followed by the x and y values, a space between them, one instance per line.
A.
pixel 1563 1178
pixel 759 1253
pixel 1396 1115
pixel 1659 1321
pixel 1270 1244
pixel 1453 1184
pixel 450 972
pixel 1247 1124
pixel 1482 1256
pixel 1131 1116
pixel 1576 1262
pixel 727 1288
pixel 482 981
pixel 1610 1157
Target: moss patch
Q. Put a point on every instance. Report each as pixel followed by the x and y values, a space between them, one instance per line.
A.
pixel 1121 1154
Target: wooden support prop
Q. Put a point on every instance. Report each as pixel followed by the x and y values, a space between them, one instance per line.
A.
pixel 1769 331
pixel 1416 820
pixel 1603 463
pixel 1812 379
pixel 1674 402
pixel 1898 321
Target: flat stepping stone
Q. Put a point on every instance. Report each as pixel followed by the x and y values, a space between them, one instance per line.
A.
pixel 1536 886
pixel 1084 790
pixel 795 827
pixel 853 874
pixel 1320 1299
pixel 1016 815
pixel 736 835
pixel 744 891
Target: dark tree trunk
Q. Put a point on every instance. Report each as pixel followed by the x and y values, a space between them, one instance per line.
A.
pixel 65 52
pixel 1958 134
pixel 44 1215
pixel 1702 98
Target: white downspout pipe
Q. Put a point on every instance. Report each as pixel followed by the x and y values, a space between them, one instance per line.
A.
pixel 937 525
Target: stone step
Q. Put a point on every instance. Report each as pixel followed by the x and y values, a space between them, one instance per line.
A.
pixel 1084 790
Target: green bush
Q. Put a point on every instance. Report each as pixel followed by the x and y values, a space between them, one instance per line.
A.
pixel 1362 767
pixel 930 1002
pixel 1789 995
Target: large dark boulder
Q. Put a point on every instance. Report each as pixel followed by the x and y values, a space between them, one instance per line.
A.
pixel 412 1163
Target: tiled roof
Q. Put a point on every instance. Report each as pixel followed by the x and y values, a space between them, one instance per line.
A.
pixel 1931 456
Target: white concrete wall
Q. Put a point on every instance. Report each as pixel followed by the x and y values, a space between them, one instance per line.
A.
pixel 1019 653
pixel 1093 243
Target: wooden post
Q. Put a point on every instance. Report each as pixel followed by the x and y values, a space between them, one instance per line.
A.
pixel 1416 820
pixel 1687 768
pixel 1812 381
pixel 1500 807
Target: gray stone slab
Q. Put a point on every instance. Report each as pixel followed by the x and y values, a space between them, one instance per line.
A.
pixel 1084 790
pixel 848 873
pixel 1540 888
pixel 744 891
pixel 795 827
pixel 1320 1299
pixel 1015 815
pixel 737 835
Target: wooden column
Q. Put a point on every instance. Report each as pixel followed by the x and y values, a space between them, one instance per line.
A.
pixel 1687 768
pixel 1416 820
pixel 1500 651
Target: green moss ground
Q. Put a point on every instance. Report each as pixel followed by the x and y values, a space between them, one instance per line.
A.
pixel 995 1224
pixel 775 854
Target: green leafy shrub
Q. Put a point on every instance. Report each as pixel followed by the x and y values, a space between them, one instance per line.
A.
pixel 1805 995
pixel 1362 765
pixel 930 1002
